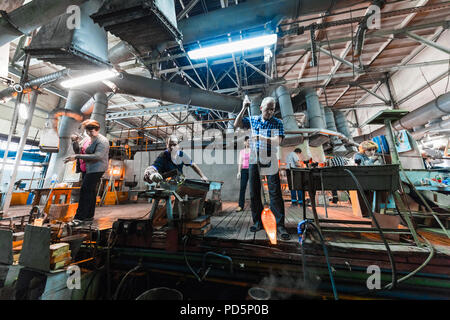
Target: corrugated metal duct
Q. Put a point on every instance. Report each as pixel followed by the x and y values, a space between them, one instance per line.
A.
pixel 29 17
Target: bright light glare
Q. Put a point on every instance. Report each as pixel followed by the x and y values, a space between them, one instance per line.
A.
pixel 231 47
pixel 23 111
pixel 93 77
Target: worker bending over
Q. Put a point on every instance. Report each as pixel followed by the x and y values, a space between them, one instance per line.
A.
pixel 172 158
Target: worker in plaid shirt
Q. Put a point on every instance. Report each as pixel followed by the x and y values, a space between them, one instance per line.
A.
pixel 267 133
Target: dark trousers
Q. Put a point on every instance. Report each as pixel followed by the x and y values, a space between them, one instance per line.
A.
pixel 275 195
pixel 296 195
pixel 86 204
pixel 244 181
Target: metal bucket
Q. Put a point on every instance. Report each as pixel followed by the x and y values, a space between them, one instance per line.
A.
pixel 161 294
pixel 257 293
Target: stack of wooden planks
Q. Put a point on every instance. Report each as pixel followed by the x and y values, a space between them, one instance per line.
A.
pixel 199 226
pixel 60 255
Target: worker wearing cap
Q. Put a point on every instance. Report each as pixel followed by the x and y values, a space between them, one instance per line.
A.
pixel 172 158
pixel 95 157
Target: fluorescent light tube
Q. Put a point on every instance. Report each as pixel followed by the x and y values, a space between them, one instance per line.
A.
pixel 231 47
pixel 93 77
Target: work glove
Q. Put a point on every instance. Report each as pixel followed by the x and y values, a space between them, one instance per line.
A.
pixel 156 177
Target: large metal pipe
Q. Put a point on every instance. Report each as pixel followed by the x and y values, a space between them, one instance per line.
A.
pixel 75 101
pixel 27 18
pixel 342 124
pixel 99 111
pixel 251 14
pixel 434 128
pixel 287 114
pixel 434 109
pixel 331 125
pixel 255 105
pixel 37 82
pixel 313 107
pixel 176 93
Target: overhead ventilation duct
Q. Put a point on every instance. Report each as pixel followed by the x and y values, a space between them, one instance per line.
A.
pixel 97 107
pixel 434 109
pixel 167 91
pixel 75 100
pixel 287 114
pixel 80 47
pixel 331 125
pixel 342 124
pixel 255 105
pixel 437 128
pixel 141 23
pixel 29 17
pixel 316 117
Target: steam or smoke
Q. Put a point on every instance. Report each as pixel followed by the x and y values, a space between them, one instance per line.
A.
pixel 286 284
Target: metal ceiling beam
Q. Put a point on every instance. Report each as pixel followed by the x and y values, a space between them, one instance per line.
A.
pixel 130 126
pixel 375 34
pixel 335 67
pixel 337 75
pixel 341 58
pixel 265 75
pixel 361 106
pixel 374 94
pixel 407 59
pixel 425 86
pixel 427 42
pixel 186 9
pixel 148 111
pixel 383 46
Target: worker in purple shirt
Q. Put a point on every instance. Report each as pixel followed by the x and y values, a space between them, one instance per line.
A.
pixel 267 133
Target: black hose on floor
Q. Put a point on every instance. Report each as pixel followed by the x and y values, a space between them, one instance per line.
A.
pixel 391 257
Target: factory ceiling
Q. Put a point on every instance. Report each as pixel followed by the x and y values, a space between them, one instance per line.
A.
pixel 330 63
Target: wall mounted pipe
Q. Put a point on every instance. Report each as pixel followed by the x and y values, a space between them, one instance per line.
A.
pixel 29 17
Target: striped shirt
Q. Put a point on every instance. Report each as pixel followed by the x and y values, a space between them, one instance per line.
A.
pixel 338 161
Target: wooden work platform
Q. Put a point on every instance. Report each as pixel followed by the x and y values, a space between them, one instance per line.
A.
pixel 232 225
pixel 230 235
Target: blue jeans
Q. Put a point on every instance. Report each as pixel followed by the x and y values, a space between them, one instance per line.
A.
pixel 296 196
pixel 275 195
pixel 244 182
